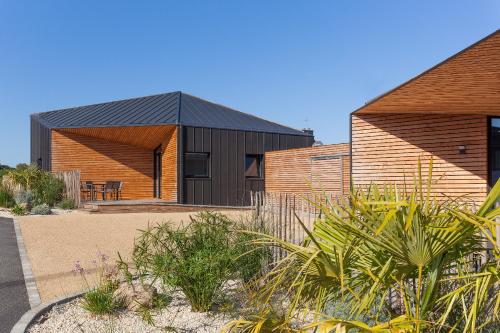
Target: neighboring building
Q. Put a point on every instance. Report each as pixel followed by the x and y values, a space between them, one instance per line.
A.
pixel 318 169
pixel 172 146
pixel 450 113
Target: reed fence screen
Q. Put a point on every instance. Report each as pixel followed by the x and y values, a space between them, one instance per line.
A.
pixel 279 214
pixel 71 181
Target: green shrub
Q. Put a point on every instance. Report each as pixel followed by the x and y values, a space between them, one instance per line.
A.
pixel 18 210
pixel 100 300
pixel 6 197
pixel 42 209
pixel 249 258
pixel 198 258
pixel 25 199
pixel 66 204
pixel 48 190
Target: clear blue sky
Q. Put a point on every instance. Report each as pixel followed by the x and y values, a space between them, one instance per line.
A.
pixel 300 63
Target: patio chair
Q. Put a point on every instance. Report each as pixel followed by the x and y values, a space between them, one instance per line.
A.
pixel 108 187
pixel 118 190
pixel 87 190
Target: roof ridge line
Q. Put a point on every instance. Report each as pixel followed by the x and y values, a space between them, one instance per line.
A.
pixel 179 109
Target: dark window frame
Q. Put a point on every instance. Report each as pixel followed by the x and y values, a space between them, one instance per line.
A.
pixel 491 149
pixel 260 166
pixel 208 174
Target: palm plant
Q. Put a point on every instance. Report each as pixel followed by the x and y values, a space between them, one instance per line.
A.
pixel 397 258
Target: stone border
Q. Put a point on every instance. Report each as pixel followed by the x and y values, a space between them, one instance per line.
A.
pixel 29 279
pixel 30 316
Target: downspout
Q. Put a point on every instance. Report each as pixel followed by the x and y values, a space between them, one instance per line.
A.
pixel 180 155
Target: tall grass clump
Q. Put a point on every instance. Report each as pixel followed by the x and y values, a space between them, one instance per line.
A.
pixel 198 258
pixel 6 197
pixel 387 259
pixel 100 299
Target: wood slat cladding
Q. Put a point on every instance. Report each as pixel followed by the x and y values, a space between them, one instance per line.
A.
pixel 296 170
pixel 466 83
pixel 386 148
pixel 169 167
pixel 147 137
pixel 100 160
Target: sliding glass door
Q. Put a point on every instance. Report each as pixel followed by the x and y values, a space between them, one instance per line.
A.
pixel 157 172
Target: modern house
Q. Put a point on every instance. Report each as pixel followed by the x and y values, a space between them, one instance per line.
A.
pixel 451 113
pixel 172 146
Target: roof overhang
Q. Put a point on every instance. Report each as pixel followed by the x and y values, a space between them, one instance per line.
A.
pixel 146 137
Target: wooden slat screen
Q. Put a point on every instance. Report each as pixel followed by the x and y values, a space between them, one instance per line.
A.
pixel 295 170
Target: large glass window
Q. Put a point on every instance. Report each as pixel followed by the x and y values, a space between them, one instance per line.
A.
pixel 196 165
pixel 253 166
pixel 494 150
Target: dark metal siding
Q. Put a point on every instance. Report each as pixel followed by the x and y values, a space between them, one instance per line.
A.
pixel 40 142
pixel 227 185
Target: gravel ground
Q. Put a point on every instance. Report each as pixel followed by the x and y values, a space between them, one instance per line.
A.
pixel 55 242
pixel 176 317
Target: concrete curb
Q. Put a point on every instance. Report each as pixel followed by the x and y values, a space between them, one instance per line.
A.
pixel 30 316
pixel 29 279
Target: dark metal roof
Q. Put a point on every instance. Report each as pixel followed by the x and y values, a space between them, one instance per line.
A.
pixel 163 109
pixel 156 109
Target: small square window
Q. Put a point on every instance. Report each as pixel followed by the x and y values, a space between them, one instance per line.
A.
pixel 196 165
pixel 253 166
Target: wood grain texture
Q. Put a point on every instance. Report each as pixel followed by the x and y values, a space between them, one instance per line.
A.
pixel 169 167
pixel 147 137
pixel 100 160
pixel 296 170
pixel 467 83
pixel 386 148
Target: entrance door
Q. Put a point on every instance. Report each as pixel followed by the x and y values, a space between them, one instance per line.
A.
pixel 157 172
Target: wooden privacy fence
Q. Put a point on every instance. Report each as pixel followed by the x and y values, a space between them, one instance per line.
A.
pixel 279 214
pixel 71 181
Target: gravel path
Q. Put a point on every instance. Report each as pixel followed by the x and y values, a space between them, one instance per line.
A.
pixel 176 317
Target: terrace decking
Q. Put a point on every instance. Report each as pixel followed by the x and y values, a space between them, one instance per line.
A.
pixel 148 206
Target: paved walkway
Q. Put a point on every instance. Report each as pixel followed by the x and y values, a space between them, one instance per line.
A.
pixel 13 296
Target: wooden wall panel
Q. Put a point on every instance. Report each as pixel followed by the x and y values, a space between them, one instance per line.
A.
pixel 100 161
pixel 386 149
pixel 295 170
pixel 467 83
pixel 169 167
